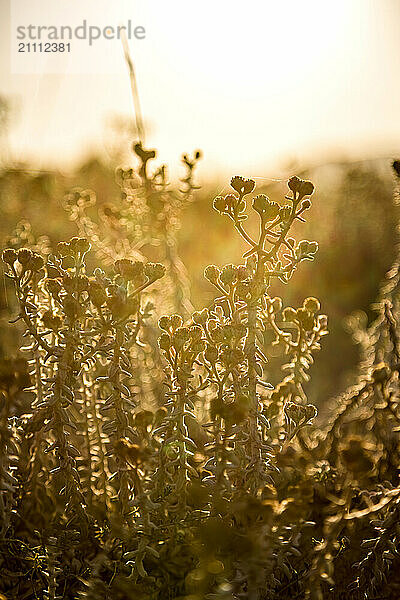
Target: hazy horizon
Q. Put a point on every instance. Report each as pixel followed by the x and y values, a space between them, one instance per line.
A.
pixel 239 93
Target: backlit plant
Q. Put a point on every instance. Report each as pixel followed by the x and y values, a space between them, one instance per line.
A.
pixel 206 481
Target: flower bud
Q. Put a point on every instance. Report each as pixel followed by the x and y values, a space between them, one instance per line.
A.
pixel 195 332
pixel 79 245
pixel 38 276
pixel 154 271
pixel 54 287
pixel 24 256
pixel 170 323
pixel 97 293
pixel 130 270
pixel 301 187
pixel 9 256
pixel 248 186
pixel 64 249
pixel 220 204
pixel 305 247
pixel 164 342
pixel 217 335
pixel 52 321
pixel 242 272
pixel 306 318
pixel 211 273
pixel 294 183
pixel 242 186
pixel 267 210
pixel 180 337
pixel 289 314
pixel 117 306
pixel 36 262
pixel 260 203
pixel 295 412
pixel 305 205
pixel 176 321
pixel 310 412
pixel 164 323
pixel 197 346
pixel 211 354
pixel 228 274
pixel 272 211
pixel 200 318
pixel 306 189
pixel 312 304
pixel 212 324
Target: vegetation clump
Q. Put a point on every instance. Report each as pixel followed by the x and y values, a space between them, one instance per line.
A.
pixel 144 451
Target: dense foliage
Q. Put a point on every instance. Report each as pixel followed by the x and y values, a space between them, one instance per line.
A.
pixel 144 452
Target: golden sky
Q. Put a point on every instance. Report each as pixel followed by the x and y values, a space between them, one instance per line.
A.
pixel 253 84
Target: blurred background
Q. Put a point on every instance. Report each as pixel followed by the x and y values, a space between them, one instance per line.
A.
pixel 265 90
